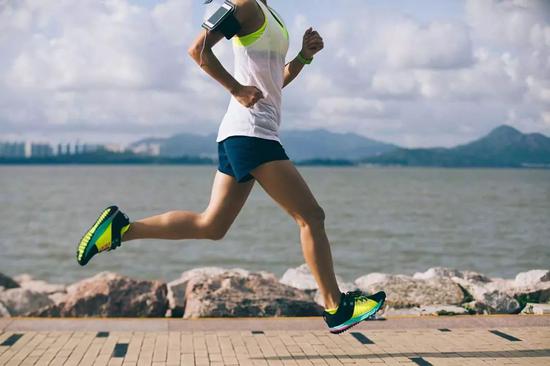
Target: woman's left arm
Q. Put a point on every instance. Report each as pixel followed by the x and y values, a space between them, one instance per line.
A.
pixel 311 44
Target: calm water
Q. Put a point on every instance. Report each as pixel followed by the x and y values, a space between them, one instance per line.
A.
pixel 385 220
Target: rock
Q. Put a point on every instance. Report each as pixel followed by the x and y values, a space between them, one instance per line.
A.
pixel 531 287
pixel 111 295
pixel 451 273
pixel 20 301
pixel 58 297
pixel 371 279
pixel 508 296
pixel 488 295
pixel 7 282
pixel 4 313
pixel 536 309
pixel 178 287
pixel 26 281
pixel 344 287
pixel 427 310
pixel 491 300
pixel 43 287
pixel 231 294
pixel 23 277
pixel 404 291
pixel 301 278
pixel 533 278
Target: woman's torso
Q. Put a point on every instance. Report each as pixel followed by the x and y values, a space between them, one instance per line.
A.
pixel 259 61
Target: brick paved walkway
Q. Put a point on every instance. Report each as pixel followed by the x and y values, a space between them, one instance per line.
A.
pixel 504 340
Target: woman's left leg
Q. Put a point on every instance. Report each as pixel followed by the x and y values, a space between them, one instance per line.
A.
pixel 282 181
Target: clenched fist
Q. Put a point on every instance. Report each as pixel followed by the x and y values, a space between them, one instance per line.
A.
pixel 247 95
pixel 312 43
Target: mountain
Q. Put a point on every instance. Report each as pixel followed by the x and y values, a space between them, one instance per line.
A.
pixel 300 145
pixel 322 144
pixel 502 147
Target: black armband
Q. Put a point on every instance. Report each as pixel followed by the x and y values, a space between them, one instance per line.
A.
pixel 224 21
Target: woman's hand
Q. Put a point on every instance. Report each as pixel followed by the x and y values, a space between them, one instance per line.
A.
pixel 247 95
pixel 312 43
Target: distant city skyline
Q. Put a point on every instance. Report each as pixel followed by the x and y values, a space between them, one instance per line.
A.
pixel 430 73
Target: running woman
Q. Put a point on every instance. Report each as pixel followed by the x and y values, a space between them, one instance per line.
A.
pixel 249 150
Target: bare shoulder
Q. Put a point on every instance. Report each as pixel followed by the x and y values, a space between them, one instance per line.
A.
pixel 246 10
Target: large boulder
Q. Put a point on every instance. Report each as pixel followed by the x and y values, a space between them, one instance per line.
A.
pixel 110 295
pixel 531 286
pixel 20 301
pixel 178 288
pixel 405 291
pixel 7 282
pixel 232 294
pixel 4 313
pixel 452 273
pixel 483 294
pixel 299 277
pixel 536 309
pixel 302 278
pixel 26 281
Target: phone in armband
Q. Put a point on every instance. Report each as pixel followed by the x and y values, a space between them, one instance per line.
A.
pixel 223 20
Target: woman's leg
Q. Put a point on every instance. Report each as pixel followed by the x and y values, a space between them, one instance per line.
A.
pixel 285 185
pixel 226 201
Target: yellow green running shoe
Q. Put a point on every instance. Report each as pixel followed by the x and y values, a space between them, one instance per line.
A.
pixel 105 234
pixel 354 307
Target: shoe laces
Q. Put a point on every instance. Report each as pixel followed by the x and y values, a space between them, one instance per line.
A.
pixel 358 296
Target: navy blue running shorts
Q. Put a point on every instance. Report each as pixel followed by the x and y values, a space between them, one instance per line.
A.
pixel 238 155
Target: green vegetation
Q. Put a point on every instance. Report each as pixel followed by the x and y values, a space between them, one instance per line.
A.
pixel 107 157
pixel 503 147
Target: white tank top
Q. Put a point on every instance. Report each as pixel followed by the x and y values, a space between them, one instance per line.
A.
pixel 259 61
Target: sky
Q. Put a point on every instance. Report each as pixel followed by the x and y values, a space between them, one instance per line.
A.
pixel 413 73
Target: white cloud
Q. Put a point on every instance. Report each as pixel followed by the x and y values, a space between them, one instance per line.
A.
pixel 119 68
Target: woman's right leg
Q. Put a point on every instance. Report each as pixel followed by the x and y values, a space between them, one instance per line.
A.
pixel 226 201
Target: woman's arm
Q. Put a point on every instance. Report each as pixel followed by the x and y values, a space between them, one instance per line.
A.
pixel 311 44
pixel 201 52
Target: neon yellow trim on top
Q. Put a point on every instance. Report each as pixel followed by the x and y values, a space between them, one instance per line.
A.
pixel 280 21
pixel 248 39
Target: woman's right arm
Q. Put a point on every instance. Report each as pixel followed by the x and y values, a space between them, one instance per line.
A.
pixel 246 95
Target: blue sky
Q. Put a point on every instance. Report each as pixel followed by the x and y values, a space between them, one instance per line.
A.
pixel 415 73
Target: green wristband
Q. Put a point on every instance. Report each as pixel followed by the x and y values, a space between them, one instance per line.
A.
pixel 302 59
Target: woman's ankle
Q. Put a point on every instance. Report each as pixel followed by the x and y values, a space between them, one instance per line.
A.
pixel 332 302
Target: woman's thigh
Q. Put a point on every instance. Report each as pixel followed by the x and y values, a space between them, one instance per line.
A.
pixel 282 181
pixel 226 200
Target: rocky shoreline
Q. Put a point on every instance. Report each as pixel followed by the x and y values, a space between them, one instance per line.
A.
pixel 219 292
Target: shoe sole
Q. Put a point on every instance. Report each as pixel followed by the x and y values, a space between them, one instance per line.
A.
pixel 90 233
pixel 363 317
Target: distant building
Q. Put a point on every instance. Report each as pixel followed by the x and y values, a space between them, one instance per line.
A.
pixel 88 148
pixel 150 149
pixel 41 150
pixel 68 149
pixel 12 149
pixel 28 149
pixel 59 149
pixel 113 148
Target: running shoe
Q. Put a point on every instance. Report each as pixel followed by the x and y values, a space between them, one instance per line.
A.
pixel 354 307
pixel 105 234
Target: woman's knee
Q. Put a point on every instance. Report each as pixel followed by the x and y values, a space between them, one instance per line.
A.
pixel 312 217
pixel 211 228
